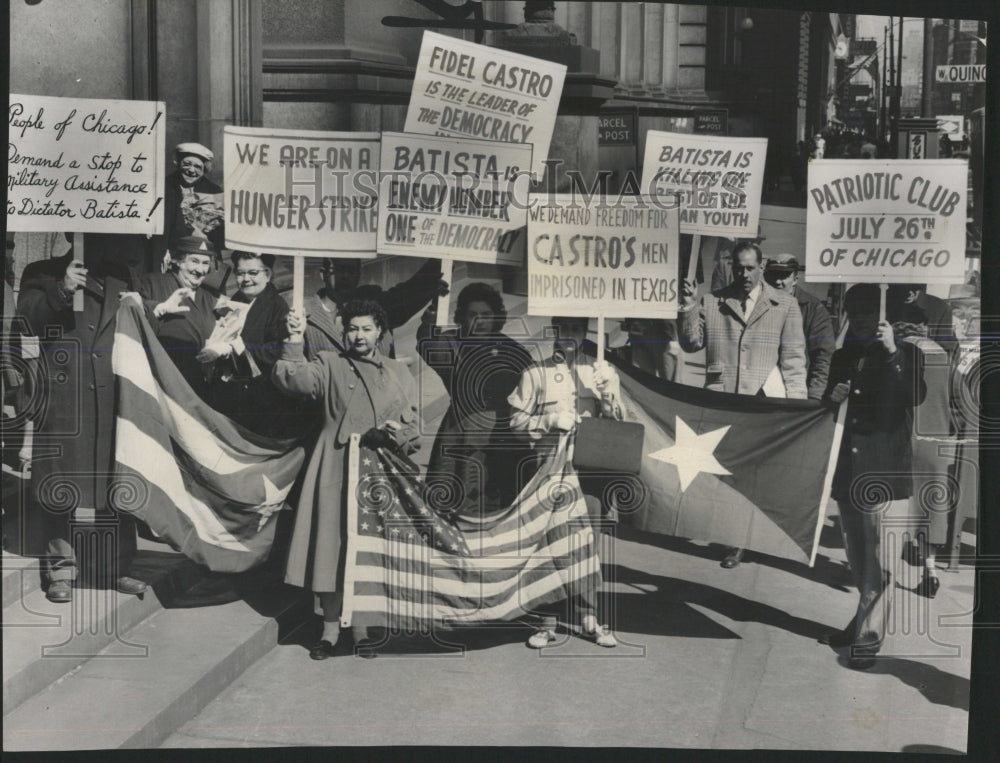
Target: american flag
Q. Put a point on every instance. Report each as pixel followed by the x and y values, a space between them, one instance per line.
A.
pixel 408 565
pixel 202 483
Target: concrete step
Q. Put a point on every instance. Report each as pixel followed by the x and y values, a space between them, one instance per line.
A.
pixel 137 700
pixel 21 576
pixel 43 641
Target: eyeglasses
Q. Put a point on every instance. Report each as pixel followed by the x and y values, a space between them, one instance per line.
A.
pixel 250 273
pixel 195 163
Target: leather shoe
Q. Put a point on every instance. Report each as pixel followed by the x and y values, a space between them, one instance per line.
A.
pixel 862 657
pixel 838 639
pixel 130 586
pixel 913 554
pixel 322 650
pixel 60 591
pixel 928 586
pixel 733 559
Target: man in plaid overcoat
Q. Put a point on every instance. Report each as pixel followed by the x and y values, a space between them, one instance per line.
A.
pixel 748 329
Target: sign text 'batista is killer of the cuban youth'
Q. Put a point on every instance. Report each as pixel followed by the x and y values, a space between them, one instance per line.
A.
pixel 718 180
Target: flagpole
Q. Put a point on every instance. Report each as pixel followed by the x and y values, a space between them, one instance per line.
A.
pixel 444 300
pixel 693 258
pixel 600 337
pixel 352 529
pixel 298 283
pixel 78 255
pixel 831 466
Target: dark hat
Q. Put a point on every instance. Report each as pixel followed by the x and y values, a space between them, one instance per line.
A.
pixel 193 245
pixel 784 262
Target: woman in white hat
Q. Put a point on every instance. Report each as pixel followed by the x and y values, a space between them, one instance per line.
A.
pixel 192 204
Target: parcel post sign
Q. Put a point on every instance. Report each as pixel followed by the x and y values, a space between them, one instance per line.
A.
pixel 896 221
pixel 453 199
pixel 301 191
pixel 717 179
pixel 466 90
pixel 612 257
pixel 84 165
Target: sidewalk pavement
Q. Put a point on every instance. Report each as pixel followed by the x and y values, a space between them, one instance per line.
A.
pixel 709 658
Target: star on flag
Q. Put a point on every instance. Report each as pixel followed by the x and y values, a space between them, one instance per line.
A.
pixel 691 454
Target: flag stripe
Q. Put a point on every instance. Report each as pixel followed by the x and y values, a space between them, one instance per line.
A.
pixel 208 483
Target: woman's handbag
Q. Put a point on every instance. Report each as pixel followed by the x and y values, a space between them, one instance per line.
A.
pixel 608 446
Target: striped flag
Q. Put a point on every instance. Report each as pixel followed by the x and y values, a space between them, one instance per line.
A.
pixel 204 484
pixel 408 566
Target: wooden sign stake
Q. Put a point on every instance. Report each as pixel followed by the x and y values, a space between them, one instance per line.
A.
pixel 298 283
pixel 78 255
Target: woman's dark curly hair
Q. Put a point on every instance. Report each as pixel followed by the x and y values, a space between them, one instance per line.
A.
pixel 361 307
pixel 481 292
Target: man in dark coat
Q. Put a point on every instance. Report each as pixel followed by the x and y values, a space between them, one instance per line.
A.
pixel 919 307
pixel 883 380
pixel 77 480
pixel 782 272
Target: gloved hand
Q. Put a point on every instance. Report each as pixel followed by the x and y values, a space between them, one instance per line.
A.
pixel 377 438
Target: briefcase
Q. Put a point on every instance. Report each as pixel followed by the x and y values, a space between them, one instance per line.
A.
pixel 608 446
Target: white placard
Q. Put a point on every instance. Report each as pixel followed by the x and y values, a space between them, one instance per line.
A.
pixel 453 199
pixel 719 180
pixel 896 221
pixel 301 191
pixel 85 165
pixel 612 257
pixel 473 91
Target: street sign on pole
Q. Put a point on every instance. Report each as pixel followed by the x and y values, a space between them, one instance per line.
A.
pixel 961 73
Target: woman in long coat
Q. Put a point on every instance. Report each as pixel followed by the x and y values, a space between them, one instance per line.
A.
pixel 476 459
pixel 884 380
pixel 362 392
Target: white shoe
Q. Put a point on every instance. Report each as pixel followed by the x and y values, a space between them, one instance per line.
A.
pixel 541 638
pixel 601 634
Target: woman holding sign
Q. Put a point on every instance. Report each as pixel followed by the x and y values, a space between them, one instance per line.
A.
pixel 362 392
pixel 551 399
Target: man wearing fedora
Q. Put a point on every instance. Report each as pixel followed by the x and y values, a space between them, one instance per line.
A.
pixel 782 273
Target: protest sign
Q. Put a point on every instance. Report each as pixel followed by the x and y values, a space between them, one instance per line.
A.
pixel 85 165
pixel 301 191
pixel 453 199
pixel 719 180
pixel 467 90
pixel 596 257
pixel 898 220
